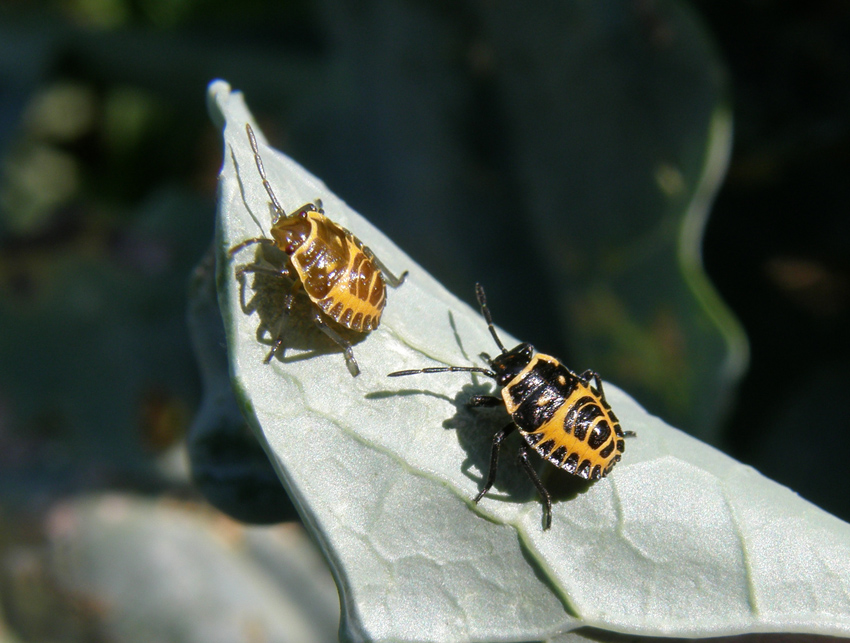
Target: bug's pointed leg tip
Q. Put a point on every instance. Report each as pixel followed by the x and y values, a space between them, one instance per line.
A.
pixel 353 368
pixel 480 495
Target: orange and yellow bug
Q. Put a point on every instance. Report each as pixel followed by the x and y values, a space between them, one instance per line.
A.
pixel 563 416
pixel 344 280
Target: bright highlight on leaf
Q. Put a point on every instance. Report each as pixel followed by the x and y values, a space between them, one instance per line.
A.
pixel 680 540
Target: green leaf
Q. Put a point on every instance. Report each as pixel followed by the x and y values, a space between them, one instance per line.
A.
pixel 680 540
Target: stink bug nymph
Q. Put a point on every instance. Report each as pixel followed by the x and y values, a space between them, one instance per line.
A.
pixel 562 415
pixel 344 280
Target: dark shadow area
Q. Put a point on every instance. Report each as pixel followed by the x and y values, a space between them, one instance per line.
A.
pixel 475 428
pixel 265 293
pixel 227 462
pixel 776 243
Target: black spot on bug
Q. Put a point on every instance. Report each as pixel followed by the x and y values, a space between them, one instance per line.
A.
pixel 589 413
pixel 579 431
pixel 546 447
pixel 532 414
pixel 533 438
pixel 559 454
pixel 600 433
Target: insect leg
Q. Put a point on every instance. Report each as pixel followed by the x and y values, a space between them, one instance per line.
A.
pixel 350 362
pixel 240 277
pixel 485 400
pixel 278 342
pixel 287 307
pixel 544 495
pixel 589 375
pixel 241 271
pixel 494 459
pixel 290 297
pixel 390 279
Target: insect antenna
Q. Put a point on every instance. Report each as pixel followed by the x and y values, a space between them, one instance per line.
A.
pixel 279 211
pixel 482 301
pixel 445 369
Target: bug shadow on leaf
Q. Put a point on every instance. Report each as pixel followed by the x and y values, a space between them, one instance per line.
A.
pixel 475 428
pixel 265 293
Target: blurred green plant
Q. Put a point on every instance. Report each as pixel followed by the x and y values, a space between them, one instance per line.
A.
pixel 619 162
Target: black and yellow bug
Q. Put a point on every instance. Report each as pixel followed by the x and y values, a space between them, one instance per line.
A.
pixel 341 276
pixel 560 414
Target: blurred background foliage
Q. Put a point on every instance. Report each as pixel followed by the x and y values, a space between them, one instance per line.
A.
pixel 553 156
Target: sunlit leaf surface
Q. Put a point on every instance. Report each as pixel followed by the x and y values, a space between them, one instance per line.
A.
pixel 680 540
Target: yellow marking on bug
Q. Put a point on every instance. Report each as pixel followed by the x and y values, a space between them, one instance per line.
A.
pixel 545 398
pixel 506 390
pixel 553 431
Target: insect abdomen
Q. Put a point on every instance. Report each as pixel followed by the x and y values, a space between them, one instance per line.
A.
pixel 566 421
pixel 340 276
